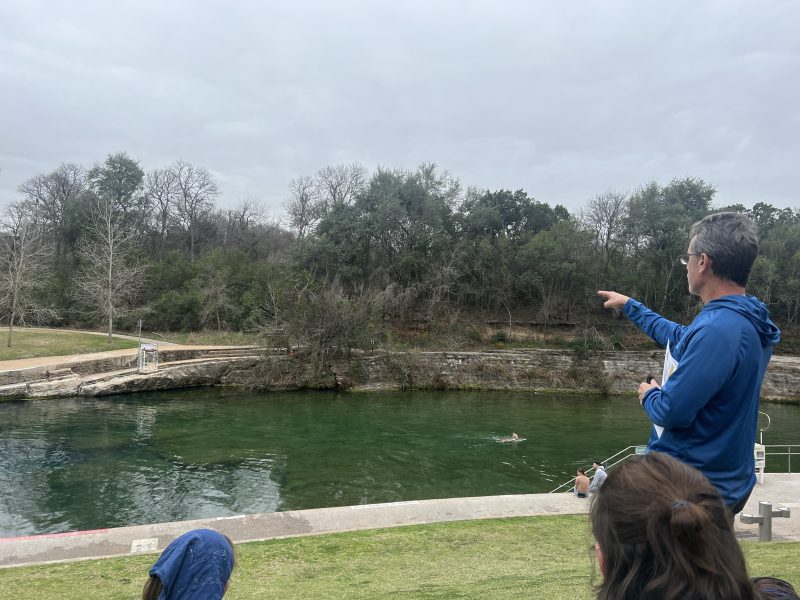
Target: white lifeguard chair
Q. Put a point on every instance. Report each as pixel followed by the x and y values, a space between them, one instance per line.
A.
pixel 148 358
pixel 760 456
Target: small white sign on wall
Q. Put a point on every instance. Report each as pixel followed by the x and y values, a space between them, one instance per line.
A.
pixel 144 545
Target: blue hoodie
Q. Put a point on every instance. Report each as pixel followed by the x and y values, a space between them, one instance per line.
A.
pixel 709 405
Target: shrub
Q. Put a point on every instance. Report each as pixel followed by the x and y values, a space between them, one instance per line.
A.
pixel 177 311
pixel 500 337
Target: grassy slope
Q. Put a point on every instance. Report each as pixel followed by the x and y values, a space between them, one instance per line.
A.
pixel 216 338
pixel 537 557
pixel 28 343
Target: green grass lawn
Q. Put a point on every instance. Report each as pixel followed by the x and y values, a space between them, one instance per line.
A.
pixel 534 557
pixel 30 343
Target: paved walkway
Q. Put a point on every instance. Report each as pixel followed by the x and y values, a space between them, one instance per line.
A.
pixel 66 360
pixel 781 489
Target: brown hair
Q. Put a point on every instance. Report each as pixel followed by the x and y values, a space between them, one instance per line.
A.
pixel 664 534
pixel 152 588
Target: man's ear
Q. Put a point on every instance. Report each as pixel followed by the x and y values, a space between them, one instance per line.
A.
pixel 601 560
pixel 703 262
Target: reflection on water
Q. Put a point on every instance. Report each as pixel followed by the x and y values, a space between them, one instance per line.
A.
pixel 83 464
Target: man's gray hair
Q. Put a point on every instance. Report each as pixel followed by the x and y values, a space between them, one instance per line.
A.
pixel 731 240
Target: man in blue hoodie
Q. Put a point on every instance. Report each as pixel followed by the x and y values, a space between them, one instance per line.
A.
pixel 708 408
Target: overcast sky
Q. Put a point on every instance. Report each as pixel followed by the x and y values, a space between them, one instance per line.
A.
pixel 562 99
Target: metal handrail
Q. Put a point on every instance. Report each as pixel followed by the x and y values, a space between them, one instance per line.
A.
pixel 788 453
pixel 611 461
pixel 615 459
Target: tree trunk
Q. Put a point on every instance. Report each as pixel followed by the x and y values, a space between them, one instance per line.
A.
pixel 10 328
pixel 110 291
pixel 163 244
pixel 13 312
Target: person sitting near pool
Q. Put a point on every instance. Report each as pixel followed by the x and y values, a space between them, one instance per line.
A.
pixel 662 532
pixel 195 566
pixel 599 476
pixel 581 488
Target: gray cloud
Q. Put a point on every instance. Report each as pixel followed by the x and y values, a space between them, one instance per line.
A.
pixel 564 101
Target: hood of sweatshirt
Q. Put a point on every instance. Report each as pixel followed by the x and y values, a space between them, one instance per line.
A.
pixel 755 310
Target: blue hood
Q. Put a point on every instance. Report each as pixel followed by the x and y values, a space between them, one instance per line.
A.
pixel 757 313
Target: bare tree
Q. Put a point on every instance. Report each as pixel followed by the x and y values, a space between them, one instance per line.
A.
pixel 110 275
pixel 215 294
pixel 605 217
pixel 196 193
pixel 439 285
pixel 161 187
pixel 241 225
pixel 341 184
pixel 50 195
pixel 26 260
pixel 303 205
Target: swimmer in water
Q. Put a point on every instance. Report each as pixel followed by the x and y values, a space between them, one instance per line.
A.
pixel 514 438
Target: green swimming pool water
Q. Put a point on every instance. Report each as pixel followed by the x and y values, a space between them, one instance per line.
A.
pixel 77 464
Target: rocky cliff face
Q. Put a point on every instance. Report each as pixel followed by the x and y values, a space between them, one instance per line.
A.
pixel 605 372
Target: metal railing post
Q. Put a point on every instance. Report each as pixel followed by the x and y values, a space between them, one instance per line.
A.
pixel 765 527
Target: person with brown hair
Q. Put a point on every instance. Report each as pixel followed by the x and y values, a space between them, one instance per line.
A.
pixel 195 566
pixel 662 533
pixel 581 488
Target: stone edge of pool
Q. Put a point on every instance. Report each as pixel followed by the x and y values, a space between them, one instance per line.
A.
pixel 778 488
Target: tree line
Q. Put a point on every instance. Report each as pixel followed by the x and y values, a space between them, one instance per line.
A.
pixel 106 245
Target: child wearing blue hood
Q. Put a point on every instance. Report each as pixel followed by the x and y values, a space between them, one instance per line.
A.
pixel 196 566
pixel 707 411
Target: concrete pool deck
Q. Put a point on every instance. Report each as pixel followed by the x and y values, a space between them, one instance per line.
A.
pixel 779 488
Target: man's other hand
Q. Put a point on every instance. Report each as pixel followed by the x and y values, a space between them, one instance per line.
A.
pixel 613 299
pixel 644 387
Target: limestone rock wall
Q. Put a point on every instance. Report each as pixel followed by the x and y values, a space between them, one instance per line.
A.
pixel 65 382
pixel 605 372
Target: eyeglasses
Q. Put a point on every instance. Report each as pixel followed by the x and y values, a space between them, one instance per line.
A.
pixel 684 258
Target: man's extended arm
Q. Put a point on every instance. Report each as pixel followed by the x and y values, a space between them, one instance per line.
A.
pixel 661 330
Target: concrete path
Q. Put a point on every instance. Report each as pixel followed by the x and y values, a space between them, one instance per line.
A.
pixel 783 489
pixel 66 359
